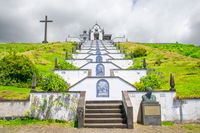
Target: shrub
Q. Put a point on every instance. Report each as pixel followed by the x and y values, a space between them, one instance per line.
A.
pixel 16 70
pixel 139 52
pixel 153 79
pixel 63 65
pixel 54 82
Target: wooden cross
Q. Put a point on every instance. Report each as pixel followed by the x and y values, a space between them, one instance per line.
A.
pixel 45 28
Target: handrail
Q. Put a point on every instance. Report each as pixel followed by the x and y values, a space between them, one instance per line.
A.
pixel 81 109
pixel 128 109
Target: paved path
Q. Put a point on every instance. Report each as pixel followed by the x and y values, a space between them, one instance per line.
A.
pixel 59 129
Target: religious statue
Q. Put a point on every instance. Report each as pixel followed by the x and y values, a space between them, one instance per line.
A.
pixel 148 97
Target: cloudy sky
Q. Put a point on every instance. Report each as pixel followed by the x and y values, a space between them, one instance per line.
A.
pixel 139 20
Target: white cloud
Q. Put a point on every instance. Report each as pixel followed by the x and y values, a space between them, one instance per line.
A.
pixel 140 20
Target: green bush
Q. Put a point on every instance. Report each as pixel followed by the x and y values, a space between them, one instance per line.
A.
pixel 139 52
pixel 55 83
pixel 153 79
pixel 63 65
pixel 16 70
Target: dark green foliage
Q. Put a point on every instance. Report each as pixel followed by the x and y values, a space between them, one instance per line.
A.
pixel 139 52
pixel 55 83
pixel 16 70
pixel 153 79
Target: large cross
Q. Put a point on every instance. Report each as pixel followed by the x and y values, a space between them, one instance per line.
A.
pixel 45 28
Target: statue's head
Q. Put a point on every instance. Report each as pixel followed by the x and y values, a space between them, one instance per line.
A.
pixel 149 91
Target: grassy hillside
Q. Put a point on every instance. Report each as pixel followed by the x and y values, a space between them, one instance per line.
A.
pixel 42 55
pixel 181 60
pixel 185 67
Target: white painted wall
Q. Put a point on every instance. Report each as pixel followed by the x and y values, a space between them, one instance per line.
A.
pixel 79 63
pixel 113 51
pixel 169 112
pixel 124 64
pixel 101 48
pixel 102 52
pixel 93 57
pixel 79 56
pixel 86 47
pixel 117 56
pixel 65 110
pixel 191 109
pixel 130 76
pixel 99 31
pixel 107 66
pixel 72 76
pixel 14 108
pixel 82 51
pixel 117 85
pixel 170 107
pixel 111 48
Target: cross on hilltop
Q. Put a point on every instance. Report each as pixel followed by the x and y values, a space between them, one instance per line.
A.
pixel 45 28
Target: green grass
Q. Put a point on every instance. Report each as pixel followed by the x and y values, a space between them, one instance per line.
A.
pixel 184 68
pixel 31 121
pixel 14 93
pixel 192 127
pixel 184 49
pixel 167 123
pixel 42 55
pixel 6 48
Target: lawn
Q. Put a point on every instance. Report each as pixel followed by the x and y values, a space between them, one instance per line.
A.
pixel 14 93
pixel 174 57
pixel 32 121
pixel 42 55
pixel 184 67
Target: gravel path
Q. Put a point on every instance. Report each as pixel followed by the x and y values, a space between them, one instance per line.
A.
pixel 60 129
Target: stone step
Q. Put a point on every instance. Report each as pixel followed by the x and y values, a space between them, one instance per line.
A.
pixel 104 115
pixel 105 120
pixel 105 125
pixel 103 106
pixel 118 110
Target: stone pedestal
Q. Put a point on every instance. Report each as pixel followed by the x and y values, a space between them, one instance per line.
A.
pixel 151 113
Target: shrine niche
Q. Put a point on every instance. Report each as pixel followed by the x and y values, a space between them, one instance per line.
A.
pixel 100 70
pixel 102 88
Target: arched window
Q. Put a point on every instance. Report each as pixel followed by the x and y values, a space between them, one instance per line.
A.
pixel 102 88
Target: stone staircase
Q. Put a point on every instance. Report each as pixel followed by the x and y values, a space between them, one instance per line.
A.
pixel 105 114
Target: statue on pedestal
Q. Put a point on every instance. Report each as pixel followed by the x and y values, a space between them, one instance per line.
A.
pixel 151 111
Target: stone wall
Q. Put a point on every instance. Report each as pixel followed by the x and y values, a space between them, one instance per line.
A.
pixel 61 106
pixel 170 106
pixel 14 108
